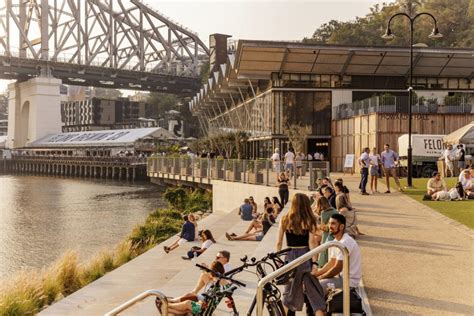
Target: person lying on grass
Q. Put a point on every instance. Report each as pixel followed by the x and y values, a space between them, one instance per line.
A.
pixel 257 229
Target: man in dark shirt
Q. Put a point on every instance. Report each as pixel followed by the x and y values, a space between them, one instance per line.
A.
pixel 330 195
pixel 461 156
pixel 246 211
pixel 188 232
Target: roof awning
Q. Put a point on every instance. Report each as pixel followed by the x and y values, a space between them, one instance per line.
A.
pixel 258 59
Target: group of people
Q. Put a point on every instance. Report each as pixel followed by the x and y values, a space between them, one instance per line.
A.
pixel 189 232
pixel 453 156
pixel 374 164
pixel 437 190
pixel 292 162
pixel 313 220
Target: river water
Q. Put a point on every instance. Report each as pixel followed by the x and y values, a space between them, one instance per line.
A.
pixel 43 217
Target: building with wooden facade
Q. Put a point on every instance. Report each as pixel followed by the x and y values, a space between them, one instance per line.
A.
pixel 349 97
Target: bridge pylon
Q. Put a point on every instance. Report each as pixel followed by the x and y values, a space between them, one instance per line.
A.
pixel 33 110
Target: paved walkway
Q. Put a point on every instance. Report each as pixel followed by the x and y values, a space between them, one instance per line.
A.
pixel 415 261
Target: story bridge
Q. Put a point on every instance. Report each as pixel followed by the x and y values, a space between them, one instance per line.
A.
pixel 121 44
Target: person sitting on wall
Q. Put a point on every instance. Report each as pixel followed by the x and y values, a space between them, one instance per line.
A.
pixel 435 184
pixel 260 227
pixel 246 211
pixel 187 234
pixel 192 302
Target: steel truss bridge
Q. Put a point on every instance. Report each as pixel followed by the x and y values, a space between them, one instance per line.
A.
pixel 103 43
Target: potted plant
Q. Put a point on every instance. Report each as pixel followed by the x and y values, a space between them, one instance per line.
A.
pixel 432 105
pixel 233 174
pixel 217 171
pixel 387 103
pixel 253 175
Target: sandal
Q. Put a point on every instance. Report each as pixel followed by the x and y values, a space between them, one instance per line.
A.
pixel 229 237
pixel 167 249
pixel 158 304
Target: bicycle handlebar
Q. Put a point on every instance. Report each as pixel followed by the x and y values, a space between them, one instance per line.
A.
pixel 219 275
pixel 271 255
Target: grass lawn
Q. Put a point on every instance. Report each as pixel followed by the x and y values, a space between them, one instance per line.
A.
pixel 461 211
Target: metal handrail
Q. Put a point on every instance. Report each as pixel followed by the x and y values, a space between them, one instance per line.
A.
pixel 300 260
pixel 140 298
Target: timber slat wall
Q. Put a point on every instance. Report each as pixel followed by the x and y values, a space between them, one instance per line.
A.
pixel 351 135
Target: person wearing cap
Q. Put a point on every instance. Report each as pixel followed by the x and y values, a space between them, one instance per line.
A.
pixel 435 184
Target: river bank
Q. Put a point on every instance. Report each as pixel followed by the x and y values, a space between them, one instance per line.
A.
pixel 31 291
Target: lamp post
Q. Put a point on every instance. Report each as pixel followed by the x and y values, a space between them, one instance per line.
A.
pixel 389 35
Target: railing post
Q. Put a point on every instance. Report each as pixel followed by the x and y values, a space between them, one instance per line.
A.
pixel 208 168
pixel 267 168
pixel 244 171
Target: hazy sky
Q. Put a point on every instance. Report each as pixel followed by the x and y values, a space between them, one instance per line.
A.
pixel 257 19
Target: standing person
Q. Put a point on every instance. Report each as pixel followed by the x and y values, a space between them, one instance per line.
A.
pixel 449 157
pixel 310 157
pixel 276 161
pixel 374 169
pixel 283 190
pixel 299 227
pixel 187 234
pixel 389 158
pixel 461 156
pixel 364 162
pixel 299 164
pixel 317 156
pixel 290 162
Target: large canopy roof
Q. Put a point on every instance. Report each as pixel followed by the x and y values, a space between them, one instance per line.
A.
pixel 105 138
pixel 258 60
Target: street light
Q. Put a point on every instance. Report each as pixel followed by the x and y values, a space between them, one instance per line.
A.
pixel 388 36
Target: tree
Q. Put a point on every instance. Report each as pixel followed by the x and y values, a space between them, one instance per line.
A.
pixel 163 102
pixel 297 134
pixel 454 22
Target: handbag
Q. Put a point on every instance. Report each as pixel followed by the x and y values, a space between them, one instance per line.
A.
pixel 334 302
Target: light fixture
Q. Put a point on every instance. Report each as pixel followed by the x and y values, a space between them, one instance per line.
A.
pixel 435 33
pixel 388 34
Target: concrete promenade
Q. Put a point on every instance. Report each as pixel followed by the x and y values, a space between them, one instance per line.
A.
pixel 415 261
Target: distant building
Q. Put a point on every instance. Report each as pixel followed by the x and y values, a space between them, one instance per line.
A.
pixel 102 114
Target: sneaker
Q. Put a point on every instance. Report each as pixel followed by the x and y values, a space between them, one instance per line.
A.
pixel 364 193
pixel 185 258
pixel 388 191
pixel 166 249
pixel 229 237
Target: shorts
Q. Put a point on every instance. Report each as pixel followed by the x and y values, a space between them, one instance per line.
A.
pixel 195 308
pixel 289 166
pixel 450 165
pixel 182 241
pixel 259 236
pixel 391 172
pixel 374 171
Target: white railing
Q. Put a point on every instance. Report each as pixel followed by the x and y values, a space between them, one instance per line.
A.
pixel 300 260
pixel 139 298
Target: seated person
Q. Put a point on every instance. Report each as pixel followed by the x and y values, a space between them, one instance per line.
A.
pixel 467 182
pixel 277 206
pixel 207 241
pixel 331 271
pixel 192 302
pixel 261 227
pixel 329 194
pixel 187 234
pixel 468 168
pixel 254 206
pixel 246 211
pixel 435 184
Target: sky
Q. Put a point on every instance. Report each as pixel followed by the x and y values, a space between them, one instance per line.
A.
pixel 257 19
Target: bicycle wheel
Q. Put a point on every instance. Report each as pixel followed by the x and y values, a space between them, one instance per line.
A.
pixel 275 308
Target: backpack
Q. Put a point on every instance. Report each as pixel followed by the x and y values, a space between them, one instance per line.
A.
pixel 334 302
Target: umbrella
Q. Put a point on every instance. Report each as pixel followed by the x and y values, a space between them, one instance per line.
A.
pixel 464 135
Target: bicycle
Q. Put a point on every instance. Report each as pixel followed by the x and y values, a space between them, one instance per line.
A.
pixel 271 293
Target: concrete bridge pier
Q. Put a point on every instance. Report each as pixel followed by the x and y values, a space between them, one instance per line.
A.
pixel 134 173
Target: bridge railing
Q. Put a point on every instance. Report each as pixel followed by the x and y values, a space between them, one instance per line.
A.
pixel 261 171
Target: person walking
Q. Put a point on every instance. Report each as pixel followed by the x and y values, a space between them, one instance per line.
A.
pixel 461 157
pixel 389 158
pixel 364 163
pixel 290 163
pixel 374 169
pixel 299 227
pixel 276 161
pixel 283 190
pixel 449 156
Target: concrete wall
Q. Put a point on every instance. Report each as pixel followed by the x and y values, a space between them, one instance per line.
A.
pixel 226 195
